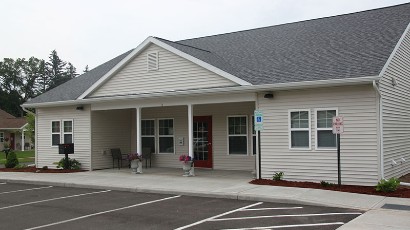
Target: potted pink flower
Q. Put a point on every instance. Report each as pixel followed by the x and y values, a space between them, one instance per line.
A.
pixel 187 164
pixel 135 162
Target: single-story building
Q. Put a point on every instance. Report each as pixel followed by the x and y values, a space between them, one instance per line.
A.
pixel 12 132
pixel 198 96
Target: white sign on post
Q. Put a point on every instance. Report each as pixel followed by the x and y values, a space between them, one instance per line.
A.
pixel 338 125
pixel 258 120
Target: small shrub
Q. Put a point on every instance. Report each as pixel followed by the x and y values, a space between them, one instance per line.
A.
pixel 72 164
pixel 12 160
pixel 19 166
pixel 278 176
pixel 388 185
pixel 45 167
pixel 326 184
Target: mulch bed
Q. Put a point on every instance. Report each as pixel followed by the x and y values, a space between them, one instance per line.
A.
pixel 40 170
pixel 402 191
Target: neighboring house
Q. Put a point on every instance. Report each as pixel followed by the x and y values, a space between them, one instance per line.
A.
pixel 198 96
pixel 12 132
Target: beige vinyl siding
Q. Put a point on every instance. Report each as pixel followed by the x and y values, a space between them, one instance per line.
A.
pixel 110 129
pixel 174 73
pixel 358 144
pixel 396 112
pixel 48 155
pixel 219 113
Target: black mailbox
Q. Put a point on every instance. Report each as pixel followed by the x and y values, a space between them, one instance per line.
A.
pixel 66 148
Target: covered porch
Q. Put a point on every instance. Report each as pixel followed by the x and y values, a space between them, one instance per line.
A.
pixel 217 134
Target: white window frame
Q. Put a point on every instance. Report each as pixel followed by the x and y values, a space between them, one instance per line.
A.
pixel 52 133
pixel 159 136
pixel 1 137
pixel 290 129
pixel 237 135
pixel 155 132
pixel 63 132
pixel 319 129
pixel 157 61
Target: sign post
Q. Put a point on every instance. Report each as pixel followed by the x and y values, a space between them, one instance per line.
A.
pixel 338 128
pixel 258 126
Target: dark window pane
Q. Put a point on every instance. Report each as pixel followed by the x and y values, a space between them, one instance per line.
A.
pixel 68 138
pixel 68 126
pixel 148 142
pixel 55 139
pixel 166 144
pixel 325 138
pixel 300 139
pixel 238 145
pixel 55 126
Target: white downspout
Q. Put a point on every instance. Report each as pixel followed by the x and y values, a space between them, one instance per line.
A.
pixel 381 128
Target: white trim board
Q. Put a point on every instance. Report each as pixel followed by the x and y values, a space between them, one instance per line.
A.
pixel 143 46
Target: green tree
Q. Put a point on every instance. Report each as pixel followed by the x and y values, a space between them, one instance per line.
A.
pixel 56 70
pixel 30 128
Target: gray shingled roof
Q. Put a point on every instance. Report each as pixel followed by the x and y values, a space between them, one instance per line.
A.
pixel 346 46
pixel 72 89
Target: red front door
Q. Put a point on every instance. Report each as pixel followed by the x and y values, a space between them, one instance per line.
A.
pixel 12 140
pixel 203 141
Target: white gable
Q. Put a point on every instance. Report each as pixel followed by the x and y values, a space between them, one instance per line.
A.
pixel 173 73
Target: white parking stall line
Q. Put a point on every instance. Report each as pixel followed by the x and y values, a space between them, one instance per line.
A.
pixel 2 183
pixel 261 209
pixel 288 226
pixel 288 215
pixel 24 190
pixel 223 214
pixel 57 198
pixel 103 212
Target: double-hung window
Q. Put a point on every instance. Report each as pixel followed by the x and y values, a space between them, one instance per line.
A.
pixel 148 134
pixel 68 131
pixel 1 137
pixel 55 133
pixel 166 135
pixel 299 123
pixel 62 134
pixel 237 135
pixel 325 139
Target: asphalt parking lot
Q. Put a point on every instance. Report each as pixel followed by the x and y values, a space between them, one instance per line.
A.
pixel 24 206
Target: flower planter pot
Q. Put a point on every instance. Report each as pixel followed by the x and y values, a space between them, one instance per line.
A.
pixel 186 167
pixel 136 166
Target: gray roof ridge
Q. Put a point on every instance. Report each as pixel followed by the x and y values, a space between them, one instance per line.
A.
pixel 183 44
pixel 289 23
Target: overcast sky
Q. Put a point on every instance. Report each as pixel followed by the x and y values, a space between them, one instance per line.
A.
pixel 91 32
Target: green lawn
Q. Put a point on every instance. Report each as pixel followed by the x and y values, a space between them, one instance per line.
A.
pixel 23 156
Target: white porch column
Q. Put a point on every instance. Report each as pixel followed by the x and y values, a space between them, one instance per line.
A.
pixel 190 132
pixel 138 127
pixel 22 140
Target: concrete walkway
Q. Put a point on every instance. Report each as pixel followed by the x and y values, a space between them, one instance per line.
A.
pixel 228 184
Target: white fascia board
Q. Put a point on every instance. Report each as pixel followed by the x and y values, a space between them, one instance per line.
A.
pixel 141 47
pixel 389 60
pixel 231 89
pixel 200 63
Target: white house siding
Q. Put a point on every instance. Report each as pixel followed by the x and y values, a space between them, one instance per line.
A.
pixel 396 112
pixel 219 113
pixel 47 155
pixel 110 129
pixel 359 158
pixel 174 73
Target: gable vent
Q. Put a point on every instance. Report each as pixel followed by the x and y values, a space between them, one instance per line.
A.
pixel 152 61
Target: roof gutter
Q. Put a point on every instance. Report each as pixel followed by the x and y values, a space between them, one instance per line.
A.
pixel 222 90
